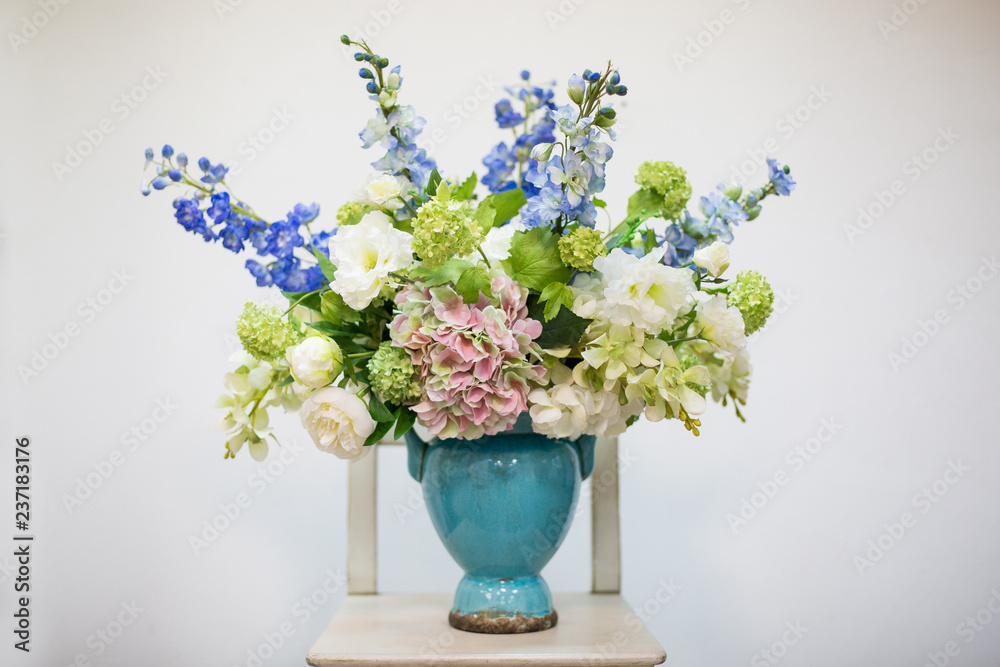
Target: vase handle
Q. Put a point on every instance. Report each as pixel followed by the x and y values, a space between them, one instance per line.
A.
pixel 585 448
pixel 415 451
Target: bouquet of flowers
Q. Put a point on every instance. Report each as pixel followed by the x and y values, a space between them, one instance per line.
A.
pixel 431 303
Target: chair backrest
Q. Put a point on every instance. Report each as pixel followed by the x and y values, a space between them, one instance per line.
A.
pixel 605 536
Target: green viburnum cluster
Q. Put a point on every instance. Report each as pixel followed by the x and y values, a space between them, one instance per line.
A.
pixel 581 247
pixel 754 297
pixel 445 228
pixel 392 375
pixel 668 181
pixel 350 213
pixel 264 332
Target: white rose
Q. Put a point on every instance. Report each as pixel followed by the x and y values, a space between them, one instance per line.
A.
pixel 722 325
pixel 383 191
pixel 365 254
pixel 338 422
pixel 713 258
pixel 316 361
pixel 643 292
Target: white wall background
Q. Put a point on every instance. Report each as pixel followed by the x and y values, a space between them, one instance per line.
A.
pixel 849 303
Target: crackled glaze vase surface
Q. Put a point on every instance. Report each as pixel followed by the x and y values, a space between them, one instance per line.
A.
pixel 502 505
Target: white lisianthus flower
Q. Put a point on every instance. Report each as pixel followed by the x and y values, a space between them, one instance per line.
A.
pixel 365 254
pixel 713 258
pixel 338 422
pixel 316 361
pixel 722 325
pixel 383 191
pixel 642 292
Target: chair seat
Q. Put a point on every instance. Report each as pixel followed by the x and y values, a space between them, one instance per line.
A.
pixel 412 629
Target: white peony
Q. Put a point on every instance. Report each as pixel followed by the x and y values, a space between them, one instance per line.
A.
pixel 316 361
pixel 365 254
pixel 338 422
pixel 642 292
pixel 383 191
pixel 721 325
pixel 713 258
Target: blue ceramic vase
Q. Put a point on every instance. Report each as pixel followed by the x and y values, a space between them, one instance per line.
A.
pixel 502 505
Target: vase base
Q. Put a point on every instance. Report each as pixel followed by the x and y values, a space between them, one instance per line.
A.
pixel 502 625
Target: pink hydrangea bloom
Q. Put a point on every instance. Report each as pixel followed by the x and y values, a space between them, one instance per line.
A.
pixel 473 359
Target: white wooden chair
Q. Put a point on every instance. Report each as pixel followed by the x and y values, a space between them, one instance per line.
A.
pixel 371 628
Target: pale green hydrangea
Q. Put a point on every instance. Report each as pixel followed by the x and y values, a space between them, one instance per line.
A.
pixel 392 375
pixel 264 332
pixel 581 247
pixel 754 297
pixel 668 181
pixel 445 228
pixel 350 213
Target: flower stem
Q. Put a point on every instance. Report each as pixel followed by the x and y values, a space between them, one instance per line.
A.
pixel 300 300
pixel 483 254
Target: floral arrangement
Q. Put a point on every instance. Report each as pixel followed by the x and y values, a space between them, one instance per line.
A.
pixel 430 303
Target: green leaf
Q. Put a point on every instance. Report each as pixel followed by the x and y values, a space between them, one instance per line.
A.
pixel 449 272
pixel 333 308
pixel 534 259
pixel 433 182
pixel 310 301
pixel 485 214
pixel 649 240
pixel 287 381
pixel 473 280
pixel 599 203
pixel 329 329
pixel 555 296
pixel 644 204
pixel 443 191
pixel 507 204
pixel 564 329
pixel 381 428
pixel 405 417
pixel 465 190
pixel 377 409
pixel 324 264
pixel 348 346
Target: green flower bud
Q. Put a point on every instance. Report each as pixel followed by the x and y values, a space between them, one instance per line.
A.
pixel 734 191
pixel 668 181
pixel 264 332
pixel 315 362
pixel 351 213
pixel 604 121
pixel 392 375
pixel 581 247
pixel 754 297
